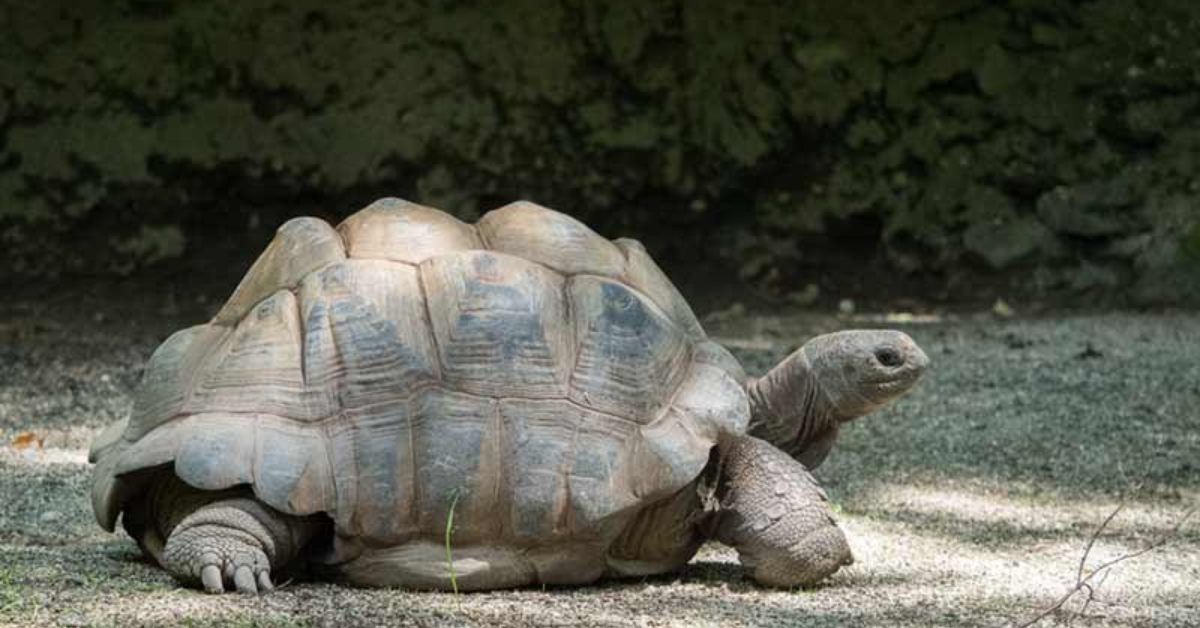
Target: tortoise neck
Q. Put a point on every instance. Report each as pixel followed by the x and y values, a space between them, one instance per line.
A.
pixel 788 407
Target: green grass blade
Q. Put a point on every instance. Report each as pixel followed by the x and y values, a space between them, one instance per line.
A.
pixel 449 534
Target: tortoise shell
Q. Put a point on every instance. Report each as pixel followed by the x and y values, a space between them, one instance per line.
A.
pixel 543 381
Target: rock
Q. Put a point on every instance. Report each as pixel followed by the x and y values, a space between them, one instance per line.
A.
pixel 1002 244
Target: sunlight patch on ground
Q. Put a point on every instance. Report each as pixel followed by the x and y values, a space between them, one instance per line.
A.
pixel 35 456
pixel 1136 517
pixel 889 553
pixel 899 558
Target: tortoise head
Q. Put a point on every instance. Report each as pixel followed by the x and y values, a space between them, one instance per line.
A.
pixel 830 380
pixel 861 370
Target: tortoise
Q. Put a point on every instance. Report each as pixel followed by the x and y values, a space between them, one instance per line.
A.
pixel 409 400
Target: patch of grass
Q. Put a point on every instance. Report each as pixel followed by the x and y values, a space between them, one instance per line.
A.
pixel 128 581
pixel 10 592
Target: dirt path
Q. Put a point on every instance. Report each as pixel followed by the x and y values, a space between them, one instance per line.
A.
pixel 967 503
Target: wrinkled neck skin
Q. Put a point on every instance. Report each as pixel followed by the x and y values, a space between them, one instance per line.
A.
pixel 789 408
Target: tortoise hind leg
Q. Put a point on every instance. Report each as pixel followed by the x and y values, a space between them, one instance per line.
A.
pixel 234 543
pixel 222 540
pixel 775 515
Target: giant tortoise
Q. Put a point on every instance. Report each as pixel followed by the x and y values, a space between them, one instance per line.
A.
pixel 546 390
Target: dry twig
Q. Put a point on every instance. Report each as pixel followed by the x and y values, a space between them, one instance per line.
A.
pixel 1083 581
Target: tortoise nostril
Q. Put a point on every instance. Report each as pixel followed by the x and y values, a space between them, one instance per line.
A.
pixel 889 357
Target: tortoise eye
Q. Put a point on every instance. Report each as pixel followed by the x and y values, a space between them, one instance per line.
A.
pixel 888 356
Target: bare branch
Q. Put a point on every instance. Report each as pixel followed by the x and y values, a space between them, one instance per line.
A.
pixel 1083 581
pixel 1091 597
pixel 1092 540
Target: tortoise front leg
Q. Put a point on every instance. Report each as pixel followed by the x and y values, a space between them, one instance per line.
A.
pixel 775 515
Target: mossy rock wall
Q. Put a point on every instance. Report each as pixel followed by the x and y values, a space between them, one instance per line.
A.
pixel 1056 138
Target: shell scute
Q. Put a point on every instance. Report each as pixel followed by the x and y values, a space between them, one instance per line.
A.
pixel 397 230
pixel 300 246
pixel 550 238
pixel 629 356
pixel 498 321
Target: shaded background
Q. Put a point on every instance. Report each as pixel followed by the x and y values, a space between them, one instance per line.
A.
pixel 949 151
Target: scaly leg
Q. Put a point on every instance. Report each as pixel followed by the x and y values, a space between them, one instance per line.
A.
pixel 234 543
pixel 775 515
pixel 220 540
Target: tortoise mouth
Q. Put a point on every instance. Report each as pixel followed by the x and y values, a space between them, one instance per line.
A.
pixel 896 385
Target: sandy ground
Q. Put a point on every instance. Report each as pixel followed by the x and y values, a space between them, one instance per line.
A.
pixel 969 502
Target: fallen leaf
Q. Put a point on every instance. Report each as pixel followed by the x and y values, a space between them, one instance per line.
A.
pixel 27 439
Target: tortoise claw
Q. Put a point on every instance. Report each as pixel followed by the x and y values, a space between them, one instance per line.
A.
pixel 243 579
pixel 210 576
pixel 224 559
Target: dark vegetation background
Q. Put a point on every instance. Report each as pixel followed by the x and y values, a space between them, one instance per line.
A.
pixel 941 151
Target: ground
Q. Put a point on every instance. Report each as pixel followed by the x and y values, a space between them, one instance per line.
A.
pixel 968 502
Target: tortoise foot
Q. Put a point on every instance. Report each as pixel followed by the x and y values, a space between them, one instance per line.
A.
pixel 230 545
